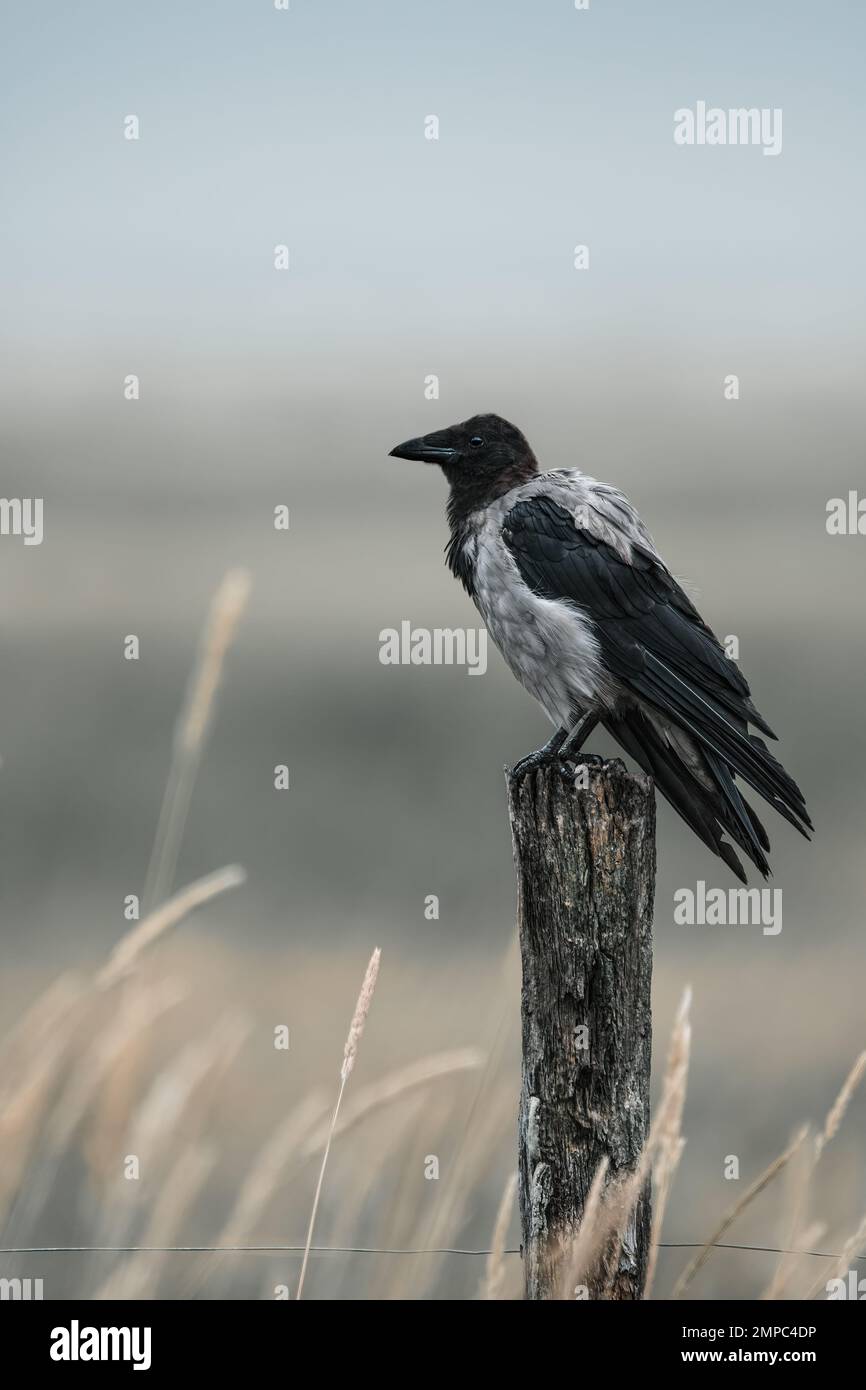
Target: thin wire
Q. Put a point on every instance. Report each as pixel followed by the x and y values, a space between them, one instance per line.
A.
pixel 359 1250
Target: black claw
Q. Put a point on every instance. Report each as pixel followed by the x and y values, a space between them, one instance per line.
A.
pixel 549 757
pixel 530 763
pixel 542 757
pixel 562 751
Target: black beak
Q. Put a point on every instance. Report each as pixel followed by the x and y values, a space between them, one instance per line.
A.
pixel 423 451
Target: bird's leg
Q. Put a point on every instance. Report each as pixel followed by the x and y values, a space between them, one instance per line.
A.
pixel 547 754
pixel 578 735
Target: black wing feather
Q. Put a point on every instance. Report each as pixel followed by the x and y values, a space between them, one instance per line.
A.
pixel 657 645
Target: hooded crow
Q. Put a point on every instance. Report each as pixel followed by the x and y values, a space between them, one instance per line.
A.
pixel 593 624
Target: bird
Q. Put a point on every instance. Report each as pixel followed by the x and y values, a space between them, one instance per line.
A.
pixel 593 624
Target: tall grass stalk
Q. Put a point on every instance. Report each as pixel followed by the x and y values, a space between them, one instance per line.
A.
pixel 191 732
pixel 494 1277
pixel 763 1180
pixel 130 947
pixel 350 1052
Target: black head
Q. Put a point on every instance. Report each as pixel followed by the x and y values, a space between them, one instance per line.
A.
pixel 482 458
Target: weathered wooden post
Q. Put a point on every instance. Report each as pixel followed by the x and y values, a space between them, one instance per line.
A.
pixel 585 861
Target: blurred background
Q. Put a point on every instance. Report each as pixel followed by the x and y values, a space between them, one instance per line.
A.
pixel 409 258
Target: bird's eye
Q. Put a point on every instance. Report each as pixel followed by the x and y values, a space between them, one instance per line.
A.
pixel 476 441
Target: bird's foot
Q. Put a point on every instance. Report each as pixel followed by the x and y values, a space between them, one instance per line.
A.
pixel 560 750
pixel 542 757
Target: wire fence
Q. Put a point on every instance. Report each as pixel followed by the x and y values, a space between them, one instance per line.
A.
pixel 365 1250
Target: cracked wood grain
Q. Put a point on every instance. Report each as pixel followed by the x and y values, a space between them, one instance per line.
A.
pixel 585 863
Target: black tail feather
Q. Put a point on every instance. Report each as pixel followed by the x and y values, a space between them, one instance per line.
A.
pixel 745 754
pixel 713 807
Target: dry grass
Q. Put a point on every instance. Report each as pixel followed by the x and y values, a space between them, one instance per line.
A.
pixel 190 735
pixel 84 1094
pixel 129 948
pixel 350 1053
pixel 107 1078
pixel 495 1274
pixel 610 1206
pixel 148 1058
pixel 795 1236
